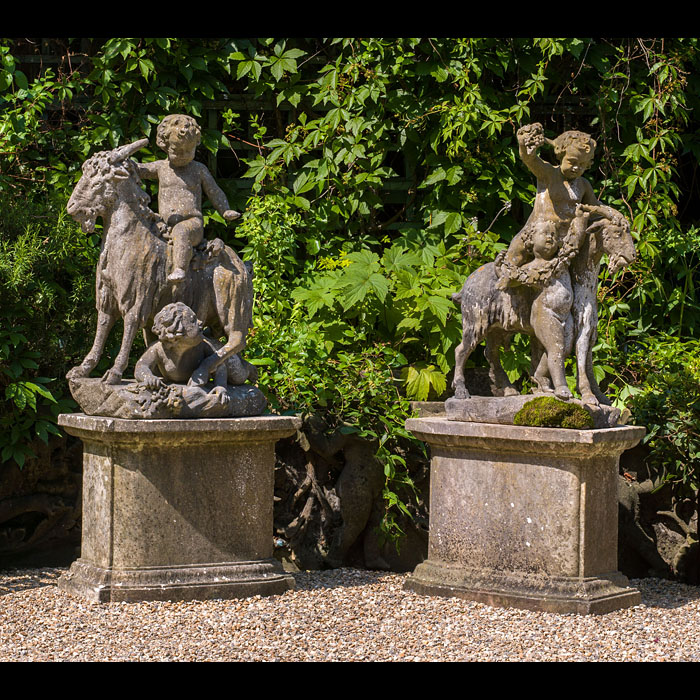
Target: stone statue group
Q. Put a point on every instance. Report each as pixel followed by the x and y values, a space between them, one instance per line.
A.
pixel 545 283
pixel 160 275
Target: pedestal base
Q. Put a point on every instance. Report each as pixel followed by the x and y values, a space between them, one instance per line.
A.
pixel 232 580
pixel 581 595
pixel 524 517
pixel 177 509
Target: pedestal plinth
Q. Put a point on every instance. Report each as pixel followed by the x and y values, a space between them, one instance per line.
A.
pixel 524 517
pixel 177 509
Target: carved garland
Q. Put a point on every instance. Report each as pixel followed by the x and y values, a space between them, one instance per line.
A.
pixel 549 269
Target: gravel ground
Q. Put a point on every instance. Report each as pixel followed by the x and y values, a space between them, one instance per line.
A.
pixel 340 615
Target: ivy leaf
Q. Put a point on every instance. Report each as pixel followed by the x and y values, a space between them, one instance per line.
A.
pixel 21 80
pixel 313 298
pixel 397 258
pixel 358 281
pixel 419 381
pixel 249 66
pixel 284 62
pixel 435 176
pixel 40 390
pixel 409 323
pixel 453 222
pixel 417 384
pixel 440 307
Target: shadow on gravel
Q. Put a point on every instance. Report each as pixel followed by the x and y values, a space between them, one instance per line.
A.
pixel 14 581
pixel 656 593
pixel 660 593
pixel 338 578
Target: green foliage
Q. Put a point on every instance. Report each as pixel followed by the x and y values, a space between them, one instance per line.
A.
pixel 28 407
pixel 309 366
pixel 550 412
pixel 46 268
pixel 665 398
pixel 380 173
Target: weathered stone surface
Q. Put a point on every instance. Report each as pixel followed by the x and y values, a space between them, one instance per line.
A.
pixel 125 400
pixel 594 595
pixel 502 409
pixel 524 516
pixel 177 509
pixel 151 260
pixel 545 283
pixel 428 408
pixel 203 582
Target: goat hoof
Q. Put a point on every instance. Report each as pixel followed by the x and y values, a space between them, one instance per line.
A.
pixel 79 372
pixel 589 400
pixel 111 376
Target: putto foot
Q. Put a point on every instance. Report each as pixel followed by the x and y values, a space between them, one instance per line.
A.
pixel 177 275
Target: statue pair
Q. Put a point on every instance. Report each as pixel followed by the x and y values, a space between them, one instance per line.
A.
pixel 545 283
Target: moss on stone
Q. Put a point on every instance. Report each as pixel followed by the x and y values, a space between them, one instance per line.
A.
pixel 550 412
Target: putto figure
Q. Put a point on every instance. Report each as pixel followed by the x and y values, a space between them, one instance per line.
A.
pixel 181 180
pixel 545 283
pixel 179 351
pixel 560 188
pixel 133 267
pixel 163 374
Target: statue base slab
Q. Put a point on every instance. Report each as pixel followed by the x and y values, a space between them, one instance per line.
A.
pixel 175 583
pixel 128 400
pixel 524 517
pixel 177 509
pixel 502 409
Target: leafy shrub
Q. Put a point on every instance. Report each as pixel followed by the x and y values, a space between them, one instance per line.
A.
pixel 46 270
pixel 665 399
pixel 380 173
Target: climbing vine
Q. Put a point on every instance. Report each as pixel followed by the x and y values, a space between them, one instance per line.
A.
pixel 374 175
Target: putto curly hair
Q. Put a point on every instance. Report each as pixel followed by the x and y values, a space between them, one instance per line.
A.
pixel 581 141
pixel 174 320
pixel 173 122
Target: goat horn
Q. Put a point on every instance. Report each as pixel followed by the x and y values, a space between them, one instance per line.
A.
pixel 129 149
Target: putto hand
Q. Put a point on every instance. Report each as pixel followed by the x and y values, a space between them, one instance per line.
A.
pixel 221 394
pixel 531 136
pixel 153 383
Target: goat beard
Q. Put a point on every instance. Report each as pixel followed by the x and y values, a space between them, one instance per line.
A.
pixel 87 223
pixel 616 263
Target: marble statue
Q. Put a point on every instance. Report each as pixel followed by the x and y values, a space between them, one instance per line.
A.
pixel 545 283
pixel 150 261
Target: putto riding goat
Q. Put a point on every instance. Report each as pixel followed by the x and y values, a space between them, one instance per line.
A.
pixel 495 314
pixel 132 273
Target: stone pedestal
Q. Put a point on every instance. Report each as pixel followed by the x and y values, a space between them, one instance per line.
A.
pixel 177 509
pixel 524 517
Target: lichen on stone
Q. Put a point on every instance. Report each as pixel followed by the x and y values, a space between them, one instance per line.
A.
pixel 550 412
